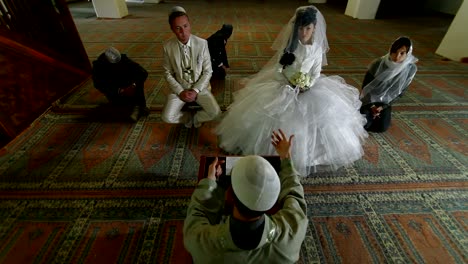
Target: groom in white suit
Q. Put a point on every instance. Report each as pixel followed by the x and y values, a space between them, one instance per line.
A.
pixel 187 68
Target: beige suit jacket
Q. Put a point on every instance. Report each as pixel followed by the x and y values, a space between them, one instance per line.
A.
pixel 201 65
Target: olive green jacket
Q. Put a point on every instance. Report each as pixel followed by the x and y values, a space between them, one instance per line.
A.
pixel 206 230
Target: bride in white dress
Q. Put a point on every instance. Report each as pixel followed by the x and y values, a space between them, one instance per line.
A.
pixel 289 93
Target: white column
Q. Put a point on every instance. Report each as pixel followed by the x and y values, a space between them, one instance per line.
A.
pixel 362 9
pixel 110 8
pixel 454 45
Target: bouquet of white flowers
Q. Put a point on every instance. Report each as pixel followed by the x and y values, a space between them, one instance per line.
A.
pixel 301 80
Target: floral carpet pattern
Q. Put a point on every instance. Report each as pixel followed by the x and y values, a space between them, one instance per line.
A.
pixel 83 185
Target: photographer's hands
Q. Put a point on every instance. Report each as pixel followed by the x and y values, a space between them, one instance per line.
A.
pixel 282 144
pixel 215 170
pixel 279 140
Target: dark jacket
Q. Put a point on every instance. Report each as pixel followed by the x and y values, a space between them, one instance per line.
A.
pixel 217 46
pixel 109 77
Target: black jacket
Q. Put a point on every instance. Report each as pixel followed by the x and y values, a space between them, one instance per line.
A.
pixel 109 77
pixel 217 46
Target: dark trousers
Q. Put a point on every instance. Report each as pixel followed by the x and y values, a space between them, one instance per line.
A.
pixel 380 123
pixel 218 73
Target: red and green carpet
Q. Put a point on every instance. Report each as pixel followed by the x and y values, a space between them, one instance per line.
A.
pixel 84 186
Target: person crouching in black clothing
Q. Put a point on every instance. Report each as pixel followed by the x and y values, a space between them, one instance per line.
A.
pixel 217 46
pixel 121 80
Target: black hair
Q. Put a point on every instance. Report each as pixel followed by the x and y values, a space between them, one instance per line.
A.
pixel 400 42
pixel 244 210
pixel 287 59
pixel 304 17
pixel 176 14
pixel 226 31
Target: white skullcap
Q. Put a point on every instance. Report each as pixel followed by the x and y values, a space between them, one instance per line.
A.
pixel 255 183
pixel 112 55
pixel 177 9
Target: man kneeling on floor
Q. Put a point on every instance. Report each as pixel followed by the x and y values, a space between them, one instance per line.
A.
pixel 248 234
pixel 187 69
pixel 121 80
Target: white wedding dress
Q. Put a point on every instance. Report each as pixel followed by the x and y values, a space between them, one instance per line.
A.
pixel 325 119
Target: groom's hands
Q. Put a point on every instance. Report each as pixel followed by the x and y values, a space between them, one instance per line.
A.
pixel 188 95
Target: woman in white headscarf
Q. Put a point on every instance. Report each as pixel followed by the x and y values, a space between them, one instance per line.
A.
pixel 387 78
pixel 291 94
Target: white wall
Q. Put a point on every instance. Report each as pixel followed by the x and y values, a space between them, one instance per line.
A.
pixel 454 45
pixel 444 6
pixel 110 8
pixel 362 9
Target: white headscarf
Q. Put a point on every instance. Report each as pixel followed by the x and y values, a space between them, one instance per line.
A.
pixel 390 79
pixel 285 37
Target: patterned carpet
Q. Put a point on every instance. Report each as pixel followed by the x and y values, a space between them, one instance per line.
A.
pixel 83 186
